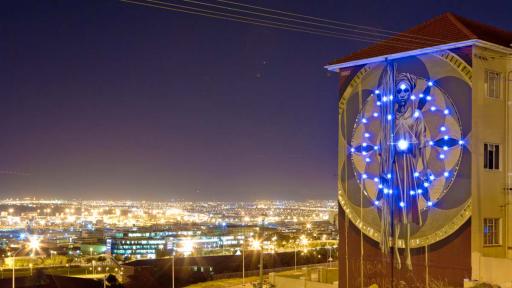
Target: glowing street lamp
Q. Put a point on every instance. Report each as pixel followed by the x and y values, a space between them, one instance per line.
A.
pixel 34 243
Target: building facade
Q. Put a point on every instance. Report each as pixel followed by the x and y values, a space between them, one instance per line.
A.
pixel 425 158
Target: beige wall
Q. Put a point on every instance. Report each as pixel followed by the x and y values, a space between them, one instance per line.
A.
pixel 490 124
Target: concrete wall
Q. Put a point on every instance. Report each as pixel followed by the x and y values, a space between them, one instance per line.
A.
pixel 492 270
pixel 283 281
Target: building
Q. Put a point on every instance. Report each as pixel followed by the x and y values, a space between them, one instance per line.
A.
pixel 425 157
pixel 136 244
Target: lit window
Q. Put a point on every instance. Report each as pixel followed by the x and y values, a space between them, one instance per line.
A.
pixel 493 82
pixel 491 156
pixel 491 231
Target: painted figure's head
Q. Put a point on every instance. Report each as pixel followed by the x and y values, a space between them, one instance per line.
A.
pixel 404 87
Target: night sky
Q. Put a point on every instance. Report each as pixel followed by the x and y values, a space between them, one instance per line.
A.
pixel 109 100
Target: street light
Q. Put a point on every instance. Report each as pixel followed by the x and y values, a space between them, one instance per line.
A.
pixel 330 258
pixel 172 269
pixel 13 267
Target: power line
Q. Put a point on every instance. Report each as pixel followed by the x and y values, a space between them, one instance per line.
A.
pixel 273 24
pixel 353 37
pixel 332 21
pixel 396 36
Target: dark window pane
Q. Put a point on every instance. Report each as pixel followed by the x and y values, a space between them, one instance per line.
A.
pixel 491 159
pixel 497 157
pixel 486 156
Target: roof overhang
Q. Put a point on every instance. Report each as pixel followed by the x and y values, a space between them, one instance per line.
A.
pixel 337 67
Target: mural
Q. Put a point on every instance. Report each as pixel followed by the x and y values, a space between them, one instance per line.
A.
pixel 402 142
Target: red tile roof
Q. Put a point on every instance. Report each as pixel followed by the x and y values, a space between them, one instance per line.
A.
pixel 443 29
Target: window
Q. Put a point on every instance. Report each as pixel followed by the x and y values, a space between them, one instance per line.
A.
pixel 493 81
pixel 491 231
pixel 491 156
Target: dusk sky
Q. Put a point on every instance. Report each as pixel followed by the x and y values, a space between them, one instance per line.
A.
pixel 110 100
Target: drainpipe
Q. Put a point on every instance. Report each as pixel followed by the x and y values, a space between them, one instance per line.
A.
pixel 508 188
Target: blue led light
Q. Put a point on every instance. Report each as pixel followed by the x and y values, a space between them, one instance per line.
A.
pixel 431 177
pixel 430 83
pixel 416 174
pixel 367 160
pixel 461 142
pixel 445 137
pixel 376 179
pixel 433 108
pixel 429 97
pixel 416 114
pixel 402 204
pixel 421 95
pixel 446 111
pixel 389 116
pixel 376 202
pixel 378 103
pixel 364 120
pixel 441 156
pixel 429 203
pixel 430 143
pixel 364 153
pixel 390 97
pixel 402 144
pixel 442 128
pixel 403 86
pixel 412 192
pixel 389 175
pixel 386 190
pixel 375 114
pixel 380 186
pixel 445 148
pixel 375 147
pixel 364 176
pixel 384 99
pixel 419 191
pixel 377 92
pixel 426 184
pixel 366 134
pixel 413 97
pixel 365 144
pixel 446 174
pixel 352 150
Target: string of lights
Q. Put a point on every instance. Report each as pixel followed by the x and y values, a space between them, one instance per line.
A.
pixel 267 23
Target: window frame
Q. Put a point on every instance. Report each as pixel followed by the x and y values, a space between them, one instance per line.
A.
pixel 498 157
pixel 499 75
pixel 497 232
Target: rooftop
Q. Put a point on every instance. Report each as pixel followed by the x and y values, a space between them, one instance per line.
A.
pixel 442 30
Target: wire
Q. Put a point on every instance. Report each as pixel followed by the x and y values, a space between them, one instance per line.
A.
pixel 332 21
pixel 396 36
pixel 266 23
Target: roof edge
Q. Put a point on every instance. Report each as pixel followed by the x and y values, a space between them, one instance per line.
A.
pixel 454 18
pixel 477 42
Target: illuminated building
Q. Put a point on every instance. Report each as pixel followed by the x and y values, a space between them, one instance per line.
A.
pixel 138 247
pixel 425 156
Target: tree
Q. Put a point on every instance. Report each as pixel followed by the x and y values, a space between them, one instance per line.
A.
pixel 113 282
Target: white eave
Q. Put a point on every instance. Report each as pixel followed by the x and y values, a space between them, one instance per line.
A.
pixel 337 67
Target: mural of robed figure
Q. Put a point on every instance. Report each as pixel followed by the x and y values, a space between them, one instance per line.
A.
pixel 405 176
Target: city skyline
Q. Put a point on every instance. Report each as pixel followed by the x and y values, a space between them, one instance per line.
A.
pixel 109 99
